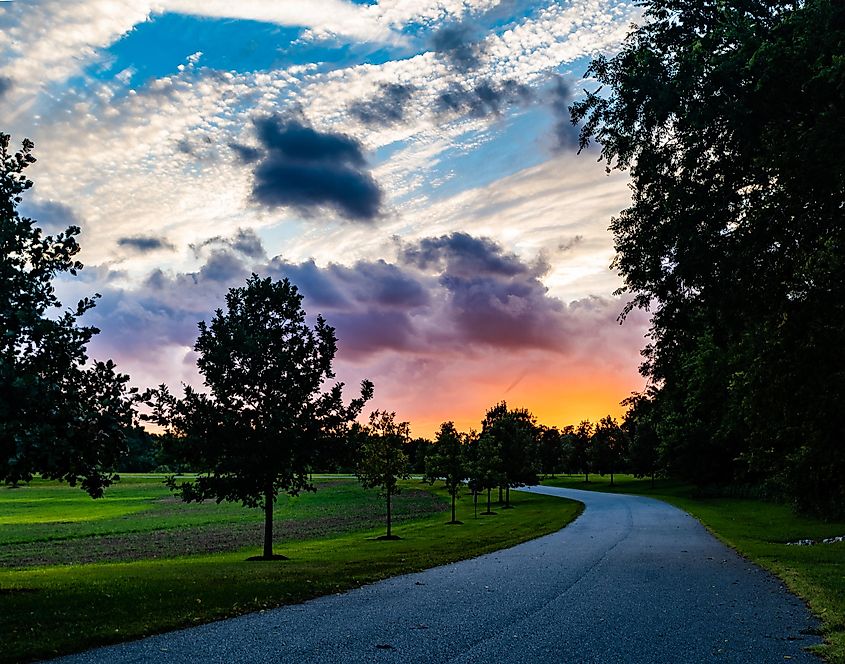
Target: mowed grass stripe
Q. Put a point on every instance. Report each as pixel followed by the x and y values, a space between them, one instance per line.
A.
pixel 46 611
pixel 147 506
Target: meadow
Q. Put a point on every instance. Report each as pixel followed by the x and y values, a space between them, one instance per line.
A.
pixel 759 531
pixel 75 572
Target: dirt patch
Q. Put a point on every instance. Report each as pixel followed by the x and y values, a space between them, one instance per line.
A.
pixel 212 538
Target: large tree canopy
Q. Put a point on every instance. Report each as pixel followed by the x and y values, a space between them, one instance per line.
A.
pixel 258 429
pixel 61 416
pixel 730 117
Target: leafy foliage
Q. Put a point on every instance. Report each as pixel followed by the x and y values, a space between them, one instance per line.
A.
pixel 258 429
pixel 730 118
pixel 382 461
pixel 448 461
pixel 61 416
pixel 608 447
pixel 515 431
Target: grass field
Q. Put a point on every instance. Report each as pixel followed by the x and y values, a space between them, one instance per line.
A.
pixel 75 573
pixel 759 531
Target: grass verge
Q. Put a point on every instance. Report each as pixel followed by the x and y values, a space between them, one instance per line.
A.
pixel 47 611
pixel 759 531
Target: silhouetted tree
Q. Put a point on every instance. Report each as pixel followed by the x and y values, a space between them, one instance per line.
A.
pixel 256 432
pixel 142 452
pixel 382 461
pixel 61 416
pixel 486 471
pixel 551 450
pixel 567 450
pixel 730 118
pixel 447 461
pixel 581 437
pixel 643 450
pixel 417 449
pixel 516 432
pixel 607 447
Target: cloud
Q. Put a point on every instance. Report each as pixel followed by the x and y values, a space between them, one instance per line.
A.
pixel 462 255
pixel 570 244
pixel 442 294
pixel 460 44
pixel 484 98
pixel 388 107
pixel 493 297
pixel 447 327
pixel 245 241
pixel 5 85
pixel 50 216
pixel 145 243
pixel 307 170
pixel 564 132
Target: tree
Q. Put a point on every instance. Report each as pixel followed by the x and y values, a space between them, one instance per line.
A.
pixel 730 118
pixel 551 450
pixel 258 430
pixel 61 416
pixel 485 470
pixel 516 433
pixel 607 447
pixel 567 450
pixel 382 461
pixel 643 451
pixel 447 461
pixel 581 437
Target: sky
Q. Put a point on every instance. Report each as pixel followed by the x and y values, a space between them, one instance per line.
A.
pixel 408 164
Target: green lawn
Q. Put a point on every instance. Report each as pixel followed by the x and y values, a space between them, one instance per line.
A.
pixel 759 531
pixel 54 599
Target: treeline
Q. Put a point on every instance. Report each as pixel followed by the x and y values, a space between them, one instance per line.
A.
pixel 730 119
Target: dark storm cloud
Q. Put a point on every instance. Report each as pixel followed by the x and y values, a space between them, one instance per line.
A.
pixel 494 297
pixel 460 44
pixel 461 254
pixel 244 241
pixel 483 99
pixel 51 217
pixel 386 108
pixel 223 267
pixel 306 169
pixel 5 85
pixel 144 243
pixel 446 294
pixel 369 283
pixel 247 154
pixel 564 132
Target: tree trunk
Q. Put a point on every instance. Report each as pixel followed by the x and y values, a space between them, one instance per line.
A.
pixel 488 499
pixel 389 533
pixel 500 494
pixel 507 497
pixel 454 495
pixel 611 478
pixel 586 477
pixel 268 522
pixel 652 479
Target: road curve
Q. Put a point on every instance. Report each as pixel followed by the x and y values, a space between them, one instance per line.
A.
pixel 631 580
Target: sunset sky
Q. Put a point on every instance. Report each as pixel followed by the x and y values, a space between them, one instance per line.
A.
pixel 408 164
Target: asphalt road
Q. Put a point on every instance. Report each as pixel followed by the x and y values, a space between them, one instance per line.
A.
pixel 631 580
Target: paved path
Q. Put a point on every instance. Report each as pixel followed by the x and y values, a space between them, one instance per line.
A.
pixel 631 580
